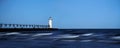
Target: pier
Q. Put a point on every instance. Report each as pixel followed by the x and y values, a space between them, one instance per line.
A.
pixel 26 27
pixel 22 26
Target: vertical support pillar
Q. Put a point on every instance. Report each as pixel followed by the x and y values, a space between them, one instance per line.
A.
pixel 4 26
pixel 29 26
pixel 17 26
pixel 13 25
pixel 20 26
pixel 9 25
pixel 0 25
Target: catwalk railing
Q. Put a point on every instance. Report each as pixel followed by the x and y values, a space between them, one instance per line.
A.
pixel 22 26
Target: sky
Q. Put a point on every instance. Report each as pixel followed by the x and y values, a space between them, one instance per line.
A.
pixel 65 13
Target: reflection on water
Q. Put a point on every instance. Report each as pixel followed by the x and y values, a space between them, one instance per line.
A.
pixel 59 40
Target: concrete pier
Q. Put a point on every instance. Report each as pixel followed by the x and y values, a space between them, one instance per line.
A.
pixel 24 27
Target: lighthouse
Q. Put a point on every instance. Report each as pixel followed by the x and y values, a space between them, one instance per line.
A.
pixel 50 22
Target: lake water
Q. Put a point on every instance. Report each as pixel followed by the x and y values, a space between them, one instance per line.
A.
pixel 60 39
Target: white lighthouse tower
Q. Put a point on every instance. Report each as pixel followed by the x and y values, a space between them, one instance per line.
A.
pixel 50 22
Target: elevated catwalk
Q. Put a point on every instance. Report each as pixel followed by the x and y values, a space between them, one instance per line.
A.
pixel 27 27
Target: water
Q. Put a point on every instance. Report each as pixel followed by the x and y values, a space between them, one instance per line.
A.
pixel 60 39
